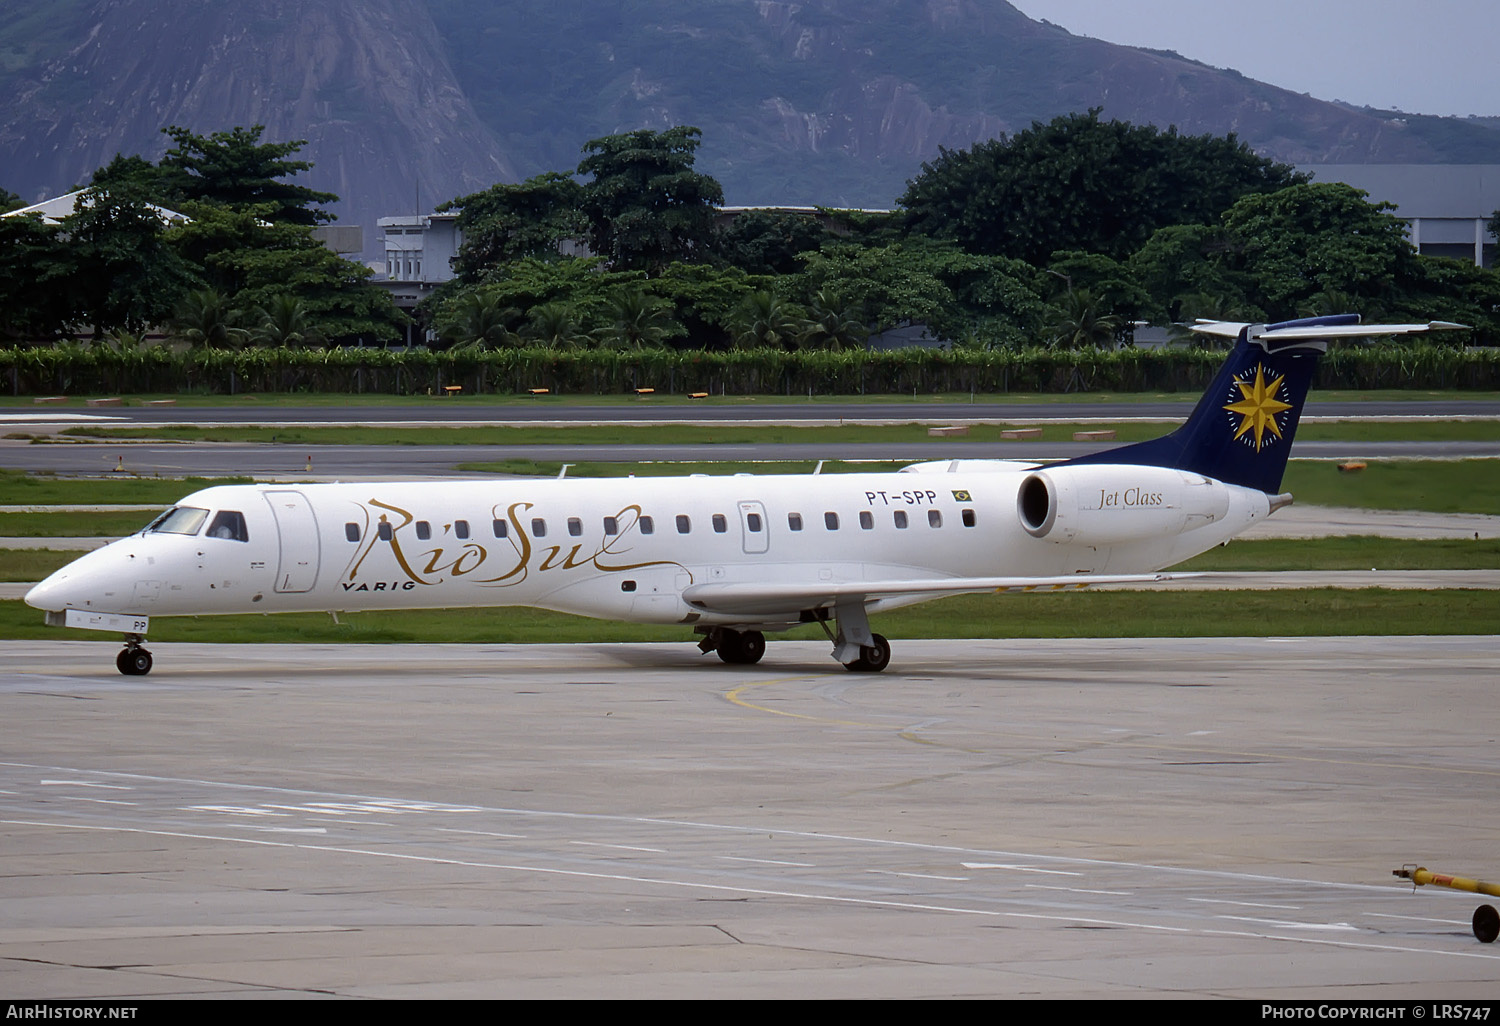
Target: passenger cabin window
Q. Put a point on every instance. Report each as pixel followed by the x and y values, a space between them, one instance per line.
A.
pixel 831 521
pixel 179 520
pixel 351 531
pixel 538 527
pixel 684 525
pixel 500 527
pixel 968 516
pixel 575 527
pixel 383 529
pixel 934 518
pixel 866 519
pixel 720 524
pixel 752 522
pixel 228 523
pixel 611 526
pixel 424 530
pixel 794 521
pixel 900 518
pixel 648 526
pixel 461 529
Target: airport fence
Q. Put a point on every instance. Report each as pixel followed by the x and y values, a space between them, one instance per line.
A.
pixel 98 370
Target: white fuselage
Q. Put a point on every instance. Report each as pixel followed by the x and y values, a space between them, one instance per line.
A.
pixel 631 549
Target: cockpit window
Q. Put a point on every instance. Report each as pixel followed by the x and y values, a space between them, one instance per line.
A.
pixel 230 524
pixel 180 520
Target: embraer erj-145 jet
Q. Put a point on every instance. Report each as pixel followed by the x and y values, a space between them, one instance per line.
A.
pixel 734 556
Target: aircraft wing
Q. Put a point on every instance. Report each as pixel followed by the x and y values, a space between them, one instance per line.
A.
pixel 762 598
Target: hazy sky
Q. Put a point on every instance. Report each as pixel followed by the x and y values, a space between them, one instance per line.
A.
pixel 1419 56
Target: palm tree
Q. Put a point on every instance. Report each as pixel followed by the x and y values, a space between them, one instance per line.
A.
pixel 476 320
pixel 205 318
pixel 833 323
pixel 1081 325
pixel 553 324
pixel 637 321
pixel 765 319
pixel 285 323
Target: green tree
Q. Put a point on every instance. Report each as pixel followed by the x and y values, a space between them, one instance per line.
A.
pixel 253 261
pixel 237 170
pixel 206 319
pixel 833 322
pixel 1183 271
pixel 505 223
pixel 645 204
pixel 1083 322
pixel 892 284
pixel 554 324
pixel 125 275
pixel 284 322
pixel 705 298
pixel 963 297
pixel 1317 238
pixel 637 320
pixel 36 271
pixel 765 319
pixel 477 319
pixel 580 282
pixel 769 241
pixel 1079 183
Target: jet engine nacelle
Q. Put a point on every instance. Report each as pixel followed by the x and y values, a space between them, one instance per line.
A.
pixel 1101 504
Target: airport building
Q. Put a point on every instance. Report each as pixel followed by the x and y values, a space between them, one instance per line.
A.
pixel 419 252
pixel 1446 206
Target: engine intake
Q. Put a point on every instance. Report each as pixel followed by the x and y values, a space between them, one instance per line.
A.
pixel 1100 504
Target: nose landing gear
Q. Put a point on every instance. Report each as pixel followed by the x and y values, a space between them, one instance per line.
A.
pixel 134 661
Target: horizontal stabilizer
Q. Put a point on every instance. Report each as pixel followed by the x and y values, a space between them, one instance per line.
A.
pixel 1295 331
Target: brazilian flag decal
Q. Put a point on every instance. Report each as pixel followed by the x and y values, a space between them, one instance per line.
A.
pixel 961 496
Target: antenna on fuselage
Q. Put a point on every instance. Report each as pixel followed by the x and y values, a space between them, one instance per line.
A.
pixel 564 471
pixel 819 468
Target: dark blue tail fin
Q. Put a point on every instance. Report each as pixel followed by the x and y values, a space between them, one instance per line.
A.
pixel 1241 430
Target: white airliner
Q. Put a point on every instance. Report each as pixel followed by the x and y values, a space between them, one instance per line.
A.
pixel 731 556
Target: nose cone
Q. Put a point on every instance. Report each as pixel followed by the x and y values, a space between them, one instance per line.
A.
pixel 53 593
pixel 90 579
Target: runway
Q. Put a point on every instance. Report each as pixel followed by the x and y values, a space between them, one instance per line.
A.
pixel 408 462
pixel 1092 819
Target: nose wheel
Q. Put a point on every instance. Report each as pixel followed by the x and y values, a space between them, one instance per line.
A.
pixel 134 661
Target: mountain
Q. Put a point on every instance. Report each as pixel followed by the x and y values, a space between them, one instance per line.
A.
pixel 407 103
pixel 365 82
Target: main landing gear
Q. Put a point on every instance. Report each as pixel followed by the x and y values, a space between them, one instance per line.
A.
pixel 738 648
pixel 872 658
pixel 855 645
pixel 134 661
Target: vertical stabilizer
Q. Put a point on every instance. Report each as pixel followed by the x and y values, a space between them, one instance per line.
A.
pixel 1241 430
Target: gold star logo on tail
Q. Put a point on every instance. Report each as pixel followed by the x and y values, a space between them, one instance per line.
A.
pixel 1258 408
